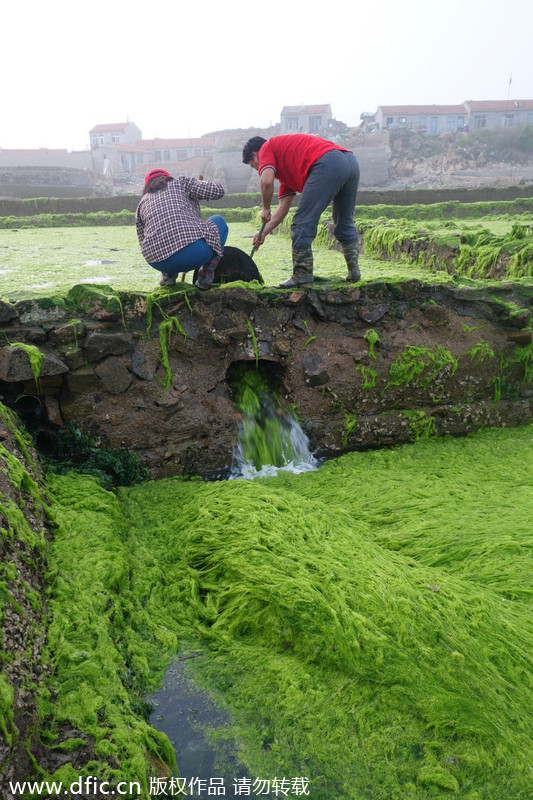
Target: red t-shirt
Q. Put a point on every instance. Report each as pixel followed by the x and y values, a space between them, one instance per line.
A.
pixel 292 156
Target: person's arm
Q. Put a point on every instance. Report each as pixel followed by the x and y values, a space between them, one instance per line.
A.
pixel 139 225
pixel 266 184
pixel 278 216
pixel 203 190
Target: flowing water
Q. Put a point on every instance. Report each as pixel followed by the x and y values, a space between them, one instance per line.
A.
pixel 270 437
pixel 189 717
pixel 270 441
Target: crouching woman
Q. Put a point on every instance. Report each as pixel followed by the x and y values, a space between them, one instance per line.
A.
pixel 172 234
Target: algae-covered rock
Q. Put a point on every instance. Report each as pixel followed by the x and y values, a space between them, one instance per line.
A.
pixel 22 597
pixel 24 362
pixel 100 302
pixel 8 312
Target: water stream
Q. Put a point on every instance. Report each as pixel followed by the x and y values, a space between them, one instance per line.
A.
pixel 270 437
pixel 188 715
pixel 270 440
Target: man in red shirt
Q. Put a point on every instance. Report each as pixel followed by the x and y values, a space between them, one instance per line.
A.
pixel 324 173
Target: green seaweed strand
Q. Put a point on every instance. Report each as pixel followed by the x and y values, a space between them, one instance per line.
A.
pixel 35 356
pixel 165 332
pixel 254 342
pixel 420 365
pixel 372 337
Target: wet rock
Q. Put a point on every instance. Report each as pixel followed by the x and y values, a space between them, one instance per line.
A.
pixel 521 337
pixel 101 345
pixel 373 313
pixel 37 312
pixel 83 380
pixel 68 334
pixel 53 411
pixel 315 371
pixel 7 312
pixel 145 359
pixel 114 374
pixel 15 365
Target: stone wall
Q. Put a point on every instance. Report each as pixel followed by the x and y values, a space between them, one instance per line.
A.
pixel 365 197
pixel 364 367
pixel 41 181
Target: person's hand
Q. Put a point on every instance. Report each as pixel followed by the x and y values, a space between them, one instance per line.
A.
pixel 258 241
pixel 265 215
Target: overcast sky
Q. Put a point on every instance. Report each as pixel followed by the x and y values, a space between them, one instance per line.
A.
pixel 179 69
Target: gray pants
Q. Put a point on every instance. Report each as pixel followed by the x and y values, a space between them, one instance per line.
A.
pixel 332 179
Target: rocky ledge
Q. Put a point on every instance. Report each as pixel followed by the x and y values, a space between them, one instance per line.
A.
pixel 363 366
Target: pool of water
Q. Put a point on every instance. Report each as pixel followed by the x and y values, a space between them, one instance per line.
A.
pixel 193 723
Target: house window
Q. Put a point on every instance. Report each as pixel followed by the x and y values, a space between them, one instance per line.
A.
pixel 508 120
pixel 450 123
pixel 181 154
pixel 433 125
pixel 390 122
pixel 291 123
pixel 101 141
pixel 529 118
pixel 139 158
pixel 315 124
pixel 166 155
pixel 402 120
pixel 157 155
pixel 460 123
pixel 94 141
pixel 422 124
pixel 480 121
pixel 115 138
pixel 198 151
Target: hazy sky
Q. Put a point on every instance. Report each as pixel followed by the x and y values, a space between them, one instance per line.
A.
pixel 179 69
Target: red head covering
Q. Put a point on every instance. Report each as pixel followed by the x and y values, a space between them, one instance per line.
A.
pixel 154 173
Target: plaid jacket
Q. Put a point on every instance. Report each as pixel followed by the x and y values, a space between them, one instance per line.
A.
pixel 170 219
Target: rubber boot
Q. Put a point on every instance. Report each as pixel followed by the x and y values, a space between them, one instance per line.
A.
pixel 167 279
pixel 302 269
pixel 351 254
pixel 206 273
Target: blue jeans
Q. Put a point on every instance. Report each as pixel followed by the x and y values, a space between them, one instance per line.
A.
pixel 332 179
pixel 194 255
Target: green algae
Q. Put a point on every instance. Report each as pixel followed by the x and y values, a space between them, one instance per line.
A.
pixel 166 327
pixel 7 724
pixel 480 352
pixel 421 366
pixel 35 356
pixel 369 376
pixel 478 254
pixel 350 425
pixel 82 452
pixel 97 667
pixel 422 425
pixel 264 432
pixel 372 337
pixel 23 547
pixel 20 434
pixel 445 210
pixel 378 641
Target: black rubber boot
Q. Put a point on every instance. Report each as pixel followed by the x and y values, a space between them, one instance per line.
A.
pixel 351 254
pixel 302 269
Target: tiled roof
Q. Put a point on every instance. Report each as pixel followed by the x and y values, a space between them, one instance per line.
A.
pixel 434 109
pixel 499 105
pixel 110 126
pixel 306 109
